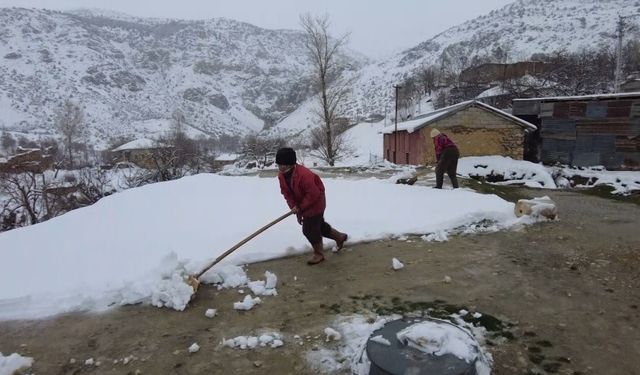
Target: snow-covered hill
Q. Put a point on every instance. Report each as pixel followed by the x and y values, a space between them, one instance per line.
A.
pixel 227 77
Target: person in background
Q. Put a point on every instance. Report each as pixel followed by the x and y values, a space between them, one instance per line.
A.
pixel 304 192
pixel 447 155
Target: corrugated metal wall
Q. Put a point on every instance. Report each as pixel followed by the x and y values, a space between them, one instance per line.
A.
pixel 586 133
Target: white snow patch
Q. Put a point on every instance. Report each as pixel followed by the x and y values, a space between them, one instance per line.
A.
pixel 332 334
pixel 210 313
pixel 14 362
pixel 194 348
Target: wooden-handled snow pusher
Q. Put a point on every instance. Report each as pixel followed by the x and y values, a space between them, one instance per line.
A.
pixel 194 280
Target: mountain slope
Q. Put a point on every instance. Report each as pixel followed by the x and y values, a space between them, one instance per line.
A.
pixel 227 77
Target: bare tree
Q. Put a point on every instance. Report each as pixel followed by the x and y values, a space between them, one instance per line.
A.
pixel 24 196
pixel 70 123
pixel 323 51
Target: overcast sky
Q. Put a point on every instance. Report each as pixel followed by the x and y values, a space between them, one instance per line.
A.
pixel 378 28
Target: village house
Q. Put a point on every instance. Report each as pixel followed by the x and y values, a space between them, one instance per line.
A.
pixel 477 128
pixel 27 160
pixel 141 152
pixel 494 72
pixel 224 159
pixel 590 130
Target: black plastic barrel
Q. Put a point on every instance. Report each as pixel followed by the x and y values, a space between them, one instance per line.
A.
pixel 400 359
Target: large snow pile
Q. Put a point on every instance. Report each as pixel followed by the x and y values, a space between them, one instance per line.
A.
pixel 506 170
pixel 135 246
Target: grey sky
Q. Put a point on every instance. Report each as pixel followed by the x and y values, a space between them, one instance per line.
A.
pixel 378 28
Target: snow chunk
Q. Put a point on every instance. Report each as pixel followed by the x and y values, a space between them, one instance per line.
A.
pixel 210 313
pixel 332 334
pixel 477 315
pixel 438 236
pixel 272 280
pixel 247 303
pixel 194 348
pixel 13 363
pixel 229 276
pixel 439 339
pixel 89 362
pixel 265 288
pixel 380 340
pixel 396 264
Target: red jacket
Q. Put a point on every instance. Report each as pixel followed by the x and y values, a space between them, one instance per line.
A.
pixel 441 141
pixel 307 191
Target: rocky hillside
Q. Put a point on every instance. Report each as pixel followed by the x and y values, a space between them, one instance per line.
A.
pixel 130 74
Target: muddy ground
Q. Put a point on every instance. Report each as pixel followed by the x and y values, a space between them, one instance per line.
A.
pixel 567 294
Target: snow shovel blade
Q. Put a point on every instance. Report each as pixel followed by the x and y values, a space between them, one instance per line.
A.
pixel 194 284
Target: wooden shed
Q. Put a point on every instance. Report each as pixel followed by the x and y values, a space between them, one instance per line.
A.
pixel 477 128
pixel 585 130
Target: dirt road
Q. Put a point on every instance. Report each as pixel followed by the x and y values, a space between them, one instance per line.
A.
pixel 569 291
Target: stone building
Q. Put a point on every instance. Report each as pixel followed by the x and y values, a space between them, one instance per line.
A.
pixel 477 128
pixel 141 152
pixel 28 160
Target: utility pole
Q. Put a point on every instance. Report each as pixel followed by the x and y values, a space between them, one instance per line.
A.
pixel 619 35
pixel 620 29
pixel 395 133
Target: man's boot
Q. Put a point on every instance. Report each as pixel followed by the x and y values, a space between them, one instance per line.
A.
pixel 339 237
pixel 317 254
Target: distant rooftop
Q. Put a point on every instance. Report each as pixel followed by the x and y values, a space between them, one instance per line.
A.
pixel 138 144
pixel 621 95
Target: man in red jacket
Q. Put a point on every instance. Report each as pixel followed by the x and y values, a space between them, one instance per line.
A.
pixel 447 155
pixel 304 192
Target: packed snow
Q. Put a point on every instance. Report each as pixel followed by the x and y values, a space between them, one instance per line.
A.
pixel 439 338
pixel 210 313
pixel 136 246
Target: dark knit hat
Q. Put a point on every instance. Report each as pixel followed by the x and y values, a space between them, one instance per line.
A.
pixel 286 156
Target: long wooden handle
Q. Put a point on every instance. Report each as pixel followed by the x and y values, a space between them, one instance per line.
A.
pixel 236 246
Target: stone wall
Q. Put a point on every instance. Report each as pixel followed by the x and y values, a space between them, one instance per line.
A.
pixel 477 132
